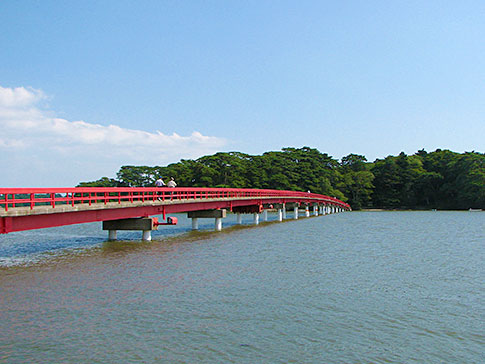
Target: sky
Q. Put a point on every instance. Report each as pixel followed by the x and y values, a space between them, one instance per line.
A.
pixel 89 86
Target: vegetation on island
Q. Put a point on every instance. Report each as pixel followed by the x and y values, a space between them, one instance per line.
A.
pixel 437 180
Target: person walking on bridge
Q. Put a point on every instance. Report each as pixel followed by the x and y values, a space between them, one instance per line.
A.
pixel 171 183
pixel 159 183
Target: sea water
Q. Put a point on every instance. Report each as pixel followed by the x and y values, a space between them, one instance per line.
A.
pixel 356 287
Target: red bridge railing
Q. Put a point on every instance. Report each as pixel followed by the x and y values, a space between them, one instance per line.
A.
pixel 36 197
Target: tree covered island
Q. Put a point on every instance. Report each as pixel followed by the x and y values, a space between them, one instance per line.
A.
pixel 437 180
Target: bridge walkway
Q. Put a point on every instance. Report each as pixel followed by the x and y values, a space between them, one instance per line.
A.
pixel 35 208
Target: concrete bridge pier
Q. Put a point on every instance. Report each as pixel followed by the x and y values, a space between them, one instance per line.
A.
pixel 218 224
pixel 315 210
pixel 307 211
pixel 147 235
pixel 145 224
pixel 239 218
pixel 265 215
pixel 111 235
pixel 292 205
pixel 280 207
pixel 256 218
pixel 218 215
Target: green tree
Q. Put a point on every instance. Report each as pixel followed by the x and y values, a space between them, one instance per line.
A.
pixel 137 176
pixel 356 181
pixel 102 182
pixel 470 181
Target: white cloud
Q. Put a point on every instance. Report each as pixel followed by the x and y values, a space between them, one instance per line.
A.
pixel 30 135
pixel 19 97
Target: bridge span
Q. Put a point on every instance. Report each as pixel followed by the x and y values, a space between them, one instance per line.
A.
pixel 130 208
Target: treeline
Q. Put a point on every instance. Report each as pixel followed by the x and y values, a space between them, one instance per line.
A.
pixel 437 180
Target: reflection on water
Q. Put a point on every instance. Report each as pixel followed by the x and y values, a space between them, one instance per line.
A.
pixel 371 287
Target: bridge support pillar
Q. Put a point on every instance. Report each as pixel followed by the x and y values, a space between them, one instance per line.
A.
pixel 239 218
pixel 265 215
pixel 112 235
pixel 218 215
pixel 315 210
pixel 307 211
pixel 281 210
pixel 256 218
pixel 218 224
pixel 145 224
pixel 147 235
pixel 195 223
pixel 294 206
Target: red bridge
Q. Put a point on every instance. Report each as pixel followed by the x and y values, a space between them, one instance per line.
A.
pixel 129 208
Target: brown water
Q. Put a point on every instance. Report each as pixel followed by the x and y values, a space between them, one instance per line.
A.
pixel 360 287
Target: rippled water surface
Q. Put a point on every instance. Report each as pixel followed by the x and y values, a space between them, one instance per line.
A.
pixel 360 287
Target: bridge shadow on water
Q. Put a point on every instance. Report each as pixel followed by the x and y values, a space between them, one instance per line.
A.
pixel 183 236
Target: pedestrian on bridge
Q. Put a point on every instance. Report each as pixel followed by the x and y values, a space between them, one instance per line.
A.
pixel 171 183
pixel 159 183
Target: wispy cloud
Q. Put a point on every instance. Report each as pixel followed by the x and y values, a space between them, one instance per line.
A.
pixel 33 139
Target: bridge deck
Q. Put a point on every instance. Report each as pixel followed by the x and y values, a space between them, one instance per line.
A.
pixel 25 209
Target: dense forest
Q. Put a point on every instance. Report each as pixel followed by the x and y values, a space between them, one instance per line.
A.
pixel 437 180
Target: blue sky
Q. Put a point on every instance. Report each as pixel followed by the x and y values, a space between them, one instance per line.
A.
pixel 89 86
